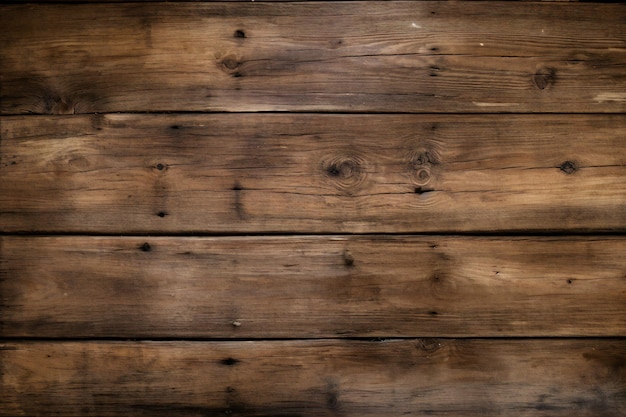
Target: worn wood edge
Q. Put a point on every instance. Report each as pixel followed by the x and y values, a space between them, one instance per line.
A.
pixel 441 377
pixel 312 287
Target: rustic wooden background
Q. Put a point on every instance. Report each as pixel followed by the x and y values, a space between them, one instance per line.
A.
pixel 366 208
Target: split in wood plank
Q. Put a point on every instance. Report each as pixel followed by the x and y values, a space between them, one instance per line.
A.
pixel 243 173
pixel 391 56
pixel 316 286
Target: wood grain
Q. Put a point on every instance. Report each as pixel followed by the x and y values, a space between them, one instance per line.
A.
pixel 437 377
pixel 293 287
pixel 245 173
pixel 390 56
pixel 213 1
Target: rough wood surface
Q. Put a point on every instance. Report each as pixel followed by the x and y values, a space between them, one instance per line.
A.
pixel 231 173
pixel 291 287
pixel 260 1
pixel 312 320
pixel 329 56
pixel 435 377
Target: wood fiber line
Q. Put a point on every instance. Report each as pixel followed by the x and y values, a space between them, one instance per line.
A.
pixel 261 1
pixel 259 173
pixel 331 56
pixel 439 377
pixel 303 287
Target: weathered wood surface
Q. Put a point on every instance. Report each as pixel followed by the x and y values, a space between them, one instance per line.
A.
pixel 317 286
pixel 328 56
pixel 260 1
pixel 234 173
pixel 437 377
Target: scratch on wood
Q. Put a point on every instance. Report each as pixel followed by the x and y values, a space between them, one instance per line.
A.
pixel 610 97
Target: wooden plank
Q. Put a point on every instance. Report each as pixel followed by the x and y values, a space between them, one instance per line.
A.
pixel 390 56
pixel 572 378
pixel 230 173
pixel 288 287
pixel 212 1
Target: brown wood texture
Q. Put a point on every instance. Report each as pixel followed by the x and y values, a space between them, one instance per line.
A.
pixel 328 56
pixel 259 1
pixel 442 377
pixel 359 208
pixel 312 173
pixel 317 286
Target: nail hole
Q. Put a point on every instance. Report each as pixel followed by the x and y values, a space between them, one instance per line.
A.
pixel 161 214
pixel 229 361
pixel 146 247
pixel 160 167
pixel 240 34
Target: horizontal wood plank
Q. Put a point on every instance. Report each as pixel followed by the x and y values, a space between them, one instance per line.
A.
pixel 290 287
pixel 390 56
pixel 573 378
pixel 242 173
pixel 220 1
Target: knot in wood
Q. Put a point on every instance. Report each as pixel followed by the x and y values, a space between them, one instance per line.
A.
pixel 420 159
pixel 230 64
pixel 544 78
pixel 422 176
pixel 54 104
pixel 568 167
pixel 346 171
pixel 420 166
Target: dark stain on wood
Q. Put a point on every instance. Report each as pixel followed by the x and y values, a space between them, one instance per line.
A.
pixel 348 259
pixel 238 204
pixel 230 361
pixel 333 394
pixel 569 167
pixel 544 78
